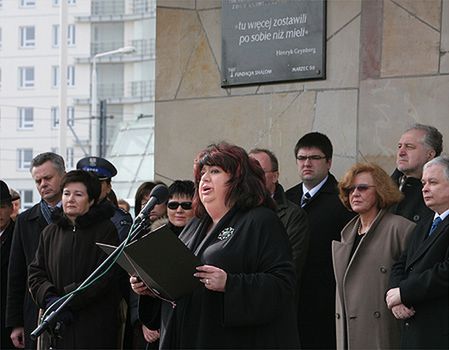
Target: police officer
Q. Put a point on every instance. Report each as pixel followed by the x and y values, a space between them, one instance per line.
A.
pixel 105 171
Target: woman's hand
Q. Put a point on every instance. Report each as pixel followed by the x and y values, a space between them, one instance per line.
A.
pixel 212 277
pixel 139 287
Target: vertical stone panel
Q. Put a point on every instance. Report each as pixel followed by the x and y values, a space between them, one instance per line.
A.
pixel 410 47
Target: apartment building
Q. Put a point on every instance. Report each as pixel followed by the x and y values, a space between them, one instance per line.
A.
pixel 29 87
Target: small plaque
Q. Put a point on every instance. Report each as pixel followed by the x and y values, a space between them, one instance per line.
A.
pixel 267 41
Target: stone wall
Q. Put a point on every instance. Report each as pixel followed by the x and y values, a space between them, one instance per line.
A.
pixel 387 67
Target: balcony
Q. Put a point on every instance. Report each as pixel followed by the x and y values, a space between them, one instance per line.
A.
pixel 119 93
pixel 119 10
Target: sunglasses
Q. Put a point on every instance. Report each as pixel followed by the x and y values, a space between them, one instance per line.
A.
pixel 360 188
pixel 184 205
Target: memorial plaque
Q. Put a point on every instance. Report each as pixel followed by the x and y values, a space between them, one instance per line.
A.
pixel 273 41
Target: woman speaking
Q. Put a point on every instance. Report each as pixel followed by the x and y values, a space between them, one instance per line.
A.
pixel 249 282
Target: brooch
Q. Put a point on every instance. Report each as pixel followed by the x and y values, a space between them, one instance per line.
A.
pixel 226 233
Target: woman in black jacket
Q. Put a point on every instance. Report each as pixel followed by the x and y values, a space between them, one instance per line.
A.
pixel 67 255
pixel 247 297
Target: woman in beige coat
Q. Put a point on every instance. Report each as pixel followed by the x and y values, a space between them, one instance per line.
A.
pixel 370 243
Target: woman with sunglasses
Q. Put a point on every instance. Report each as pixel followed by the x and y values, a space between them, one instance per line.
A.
pixel 179 205
pixel 248 294
pixel 362 260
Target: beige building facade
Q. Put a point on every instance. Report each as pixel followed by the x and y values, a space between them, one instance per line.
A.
pixel 387 68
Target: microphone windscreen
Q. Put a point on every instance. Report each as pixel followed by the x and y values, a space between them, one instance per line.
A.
pixel 160 192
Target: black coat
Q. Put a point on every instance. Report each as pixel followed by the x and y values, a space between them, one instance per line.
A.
pixel 66 256
pixel 422 274
pixel 5 241
pixel 316 311
pixel 296 224
pixel 257 308
pixel 21 311
pixel 412 205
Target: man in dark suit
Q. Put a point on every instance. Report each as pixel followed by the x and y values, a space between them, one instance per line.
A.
pixel 47 170
pixel 293 217
pixel 318 195
pixel 419 281
pixel 6 232
pixel 419 144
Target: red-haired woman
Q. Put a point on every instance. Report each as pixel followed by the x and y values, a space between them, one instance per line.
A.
pixel 249 281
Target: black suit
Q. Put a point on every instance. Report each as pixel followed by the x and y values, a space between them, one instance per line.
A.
pixel 422 274
pixel 21 311
pixel 316 312
pixel 5 239
pixel 412 206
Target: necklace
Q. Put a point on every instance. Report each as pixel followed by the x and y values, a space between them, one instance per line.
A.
pixel 359 230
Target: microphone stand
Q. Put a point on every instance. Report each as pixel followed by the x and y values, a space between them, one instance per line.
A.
pixel 134 232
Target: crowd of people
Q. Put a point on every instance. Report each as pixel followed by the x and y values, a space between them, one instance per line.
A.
pixel 361 263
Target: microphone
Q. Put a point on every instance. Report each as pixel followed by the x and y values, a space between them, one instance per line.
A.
pixel 158 195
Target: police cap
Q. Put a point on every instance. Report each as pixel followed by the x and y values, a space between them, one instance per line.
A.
pixel 100 166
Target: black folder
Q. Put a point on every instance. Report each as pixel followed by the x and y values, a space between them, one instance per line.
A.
pixel 162 261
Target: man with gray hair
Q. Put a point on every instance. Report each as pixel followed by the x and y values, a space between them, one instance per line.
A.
pixel 419 144
pixel 419 280
pixel 47 170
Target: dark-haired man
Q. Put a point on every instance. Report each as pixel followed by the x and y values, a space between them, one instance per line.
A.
pixel 317 194
pixel 47 170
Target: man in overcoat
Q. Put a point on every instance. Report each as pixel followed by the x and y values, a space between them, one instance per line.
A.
pixel 293 217
pixel 419 281
pixel 417 145
pixel 47 170
pixel 6 232
pixel 317 194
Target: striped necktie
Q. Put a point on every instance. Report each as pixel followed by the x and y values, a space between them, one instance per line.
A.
pixel 305 199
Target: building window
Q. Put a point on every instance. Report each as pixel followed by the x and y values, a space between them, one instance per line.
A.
pixel 26 77
pixel 55 76
pixel 24 158
pixel 26 117
pixel 27 36
pixel 26 199
pixel 55 116
pixel 71 116
pixel 27 3
pixel 69 160
pixel 71 35
pixel 70 75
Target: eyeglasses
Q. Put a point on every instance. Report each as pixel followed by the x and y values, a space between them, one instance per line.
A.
pixel 312 157
pixel 184 205
pixel 360 188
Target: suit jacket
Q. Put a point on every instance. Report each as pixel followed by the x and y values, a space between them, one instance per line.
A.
pixel 316 310
pixel 422 274
pixel 362 317
pixel 21 311
pixel 5 241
